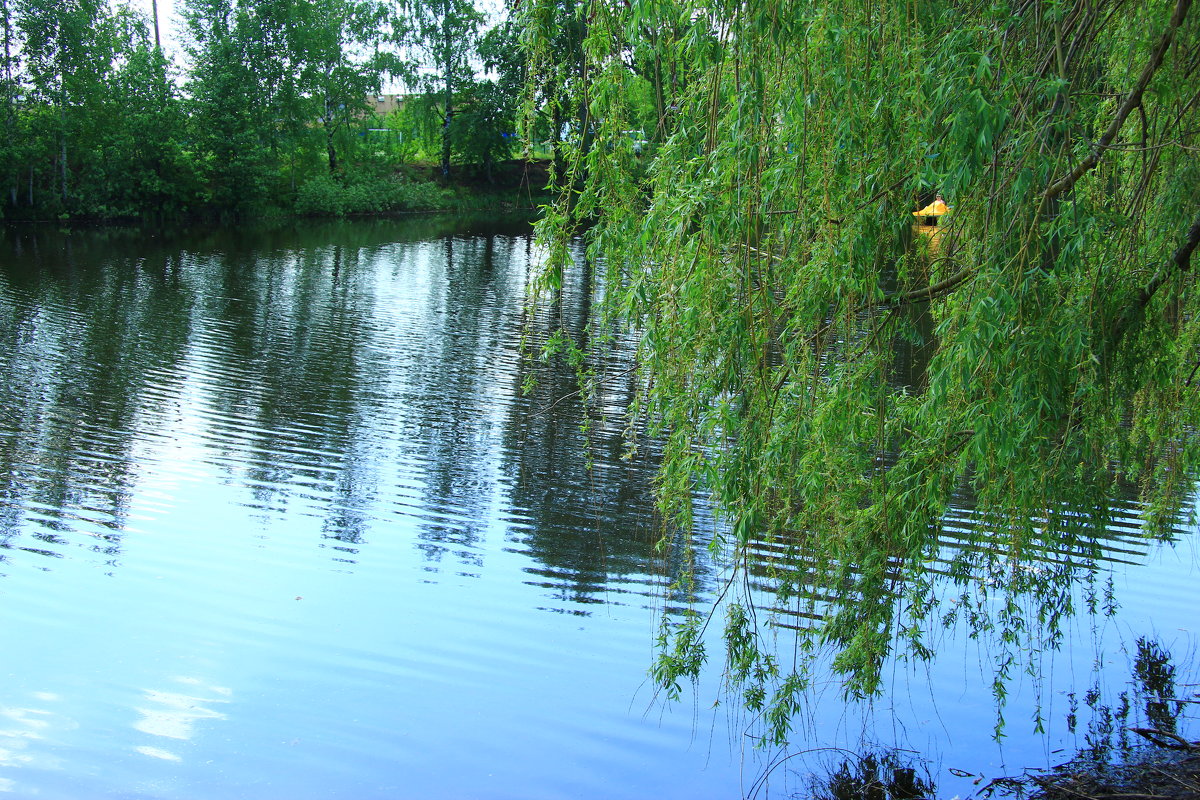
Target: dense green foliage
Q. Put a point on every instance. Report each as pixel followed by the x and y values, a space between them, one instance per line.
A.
pixel 267 108
pixel 833 378
pixel 326 195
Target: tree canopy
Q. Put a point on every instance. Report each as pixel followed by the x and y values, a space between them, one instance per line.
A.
pixel 275 106
pixel 832 375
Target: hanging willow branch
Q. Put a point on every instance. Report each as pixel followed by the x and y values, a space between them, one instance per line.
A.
pixel 1132 101
pixel 833 383
pixel 1180 261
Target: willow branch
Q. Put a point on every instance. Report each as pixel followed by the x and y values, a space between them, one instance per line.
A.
pixel 944 286
pixel 1180 261
pixel 580 391
pixel 1133 101
pixel 859 207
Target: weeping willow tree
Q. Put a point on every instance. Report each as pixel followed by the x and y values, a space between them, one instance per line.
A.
pixel 765 254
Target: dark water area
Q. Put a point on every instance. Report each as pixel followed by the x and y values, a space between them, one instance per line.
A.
pixel 278 521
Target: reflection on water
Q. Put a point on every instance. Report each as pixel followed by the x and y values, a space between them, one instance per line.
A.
pixel 890 775
pixel 24 730
pixel 1129 746
pixel 173 715
pixel 295 464
pixel 298 460
pixel 155 752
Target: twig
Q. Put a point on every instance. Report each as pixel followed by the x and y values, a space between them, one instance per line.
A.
pixel 758 784
pixel 1062 787
pixel 1171 741
pixel 578 392
pixel 1176 779
pixel 1133 101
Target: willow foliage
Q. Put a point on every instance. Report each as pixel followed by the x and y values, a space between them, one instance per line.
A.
pixel 831 376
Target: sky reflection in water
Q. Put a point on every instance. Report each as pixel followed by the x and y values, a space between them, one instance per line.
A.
pixel 276 521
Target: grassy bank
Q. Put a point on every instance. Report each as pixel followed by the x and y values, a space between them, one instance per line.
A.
pixel 420 188
pixel 359 190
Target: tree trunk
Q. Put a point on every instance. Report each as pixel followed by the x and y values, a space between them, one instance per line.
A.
pixel 446 130
pixel 330 149
pixel 448 76
pixel 556 120
pixel 62 113
pixel 154 12
pixel 586 134
pixel 62 121
pixel 10 167
pixel 660 102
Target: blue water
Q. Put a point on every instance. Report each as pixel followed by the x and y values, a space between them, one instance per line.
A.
pixel 276 521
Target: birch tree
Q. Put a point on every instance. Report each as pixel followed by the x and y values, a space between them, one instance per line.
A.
pixel 67 49
pixel 447 32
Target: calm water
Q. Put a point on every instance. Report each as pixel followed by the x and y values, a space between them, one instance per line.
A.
pixel 276 521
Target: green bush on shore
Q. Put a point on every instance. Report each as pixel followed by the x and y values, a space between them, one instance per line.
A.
pixel 330 195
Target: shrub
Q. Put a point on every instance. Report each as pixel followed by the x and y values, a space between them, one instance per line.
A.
pixel 321 196
pixel 326 195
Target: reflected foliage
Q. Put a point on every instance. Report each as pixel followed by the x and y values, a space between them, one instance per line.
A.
pixel 82 351
pixel 341 387
pixel 366 375
pixel 886 775
pixel 276 330
pixel 591 514
pixel 1131 747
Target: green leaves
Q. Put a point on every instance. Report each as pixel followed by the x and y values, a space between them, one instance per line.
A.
pixel 681 654
pixel 836 380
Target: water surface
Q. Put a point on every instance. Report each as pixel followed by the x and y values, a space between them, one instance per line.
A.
pixel 277 521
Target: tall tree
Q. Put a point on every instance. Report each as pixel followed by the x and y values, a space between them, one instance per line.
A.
pixel 554 32
pixel 138 160
pixel 68 49
pixel 483 130
pixel 767 260
pixel 447 32
pixel 245 94
pixel 222 89
pixel 348 48
pixel 10 159
pixel 265 71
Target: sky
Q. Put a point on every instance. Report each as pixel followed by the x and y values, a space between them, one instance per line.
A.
pixel 169 24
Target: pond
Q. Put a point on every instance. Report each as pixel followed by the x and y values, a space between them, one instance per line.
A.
pixel 277 520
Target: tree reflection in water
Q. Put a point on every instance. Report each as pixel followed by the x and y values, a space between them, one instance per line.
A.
pixel 1129 749
pixel 875 775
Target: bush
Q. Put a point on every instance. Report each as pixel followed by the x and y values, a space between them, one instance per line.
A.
pixel 326 195
pixel 320 196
